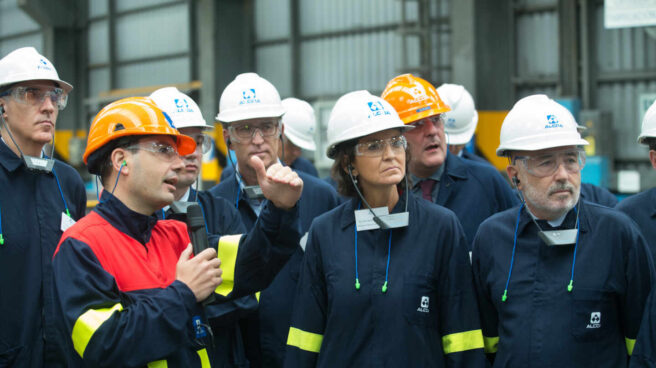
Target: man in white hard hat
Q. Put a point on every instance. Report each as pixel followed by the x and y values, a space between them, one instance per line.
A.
pixel 642 209
pixel 459 123
pixel 221 218
pixel 561 282
pixel 40 198
pixel 299 124
pixel 250 111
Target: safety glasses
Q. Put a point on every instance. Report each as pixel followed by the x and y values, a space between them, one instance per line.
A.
pixel 35 95
pixel 164 151
pixel 203 141
pixel 376 148
pixel 247 131
pixel 545 165
pixel 436 120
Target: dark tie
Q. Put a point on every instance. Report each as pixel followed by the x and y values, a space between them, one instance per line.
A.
pixel 427 189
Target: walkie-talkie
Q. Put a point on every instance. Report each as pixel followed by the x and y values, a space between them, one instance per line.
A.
pixel 198 234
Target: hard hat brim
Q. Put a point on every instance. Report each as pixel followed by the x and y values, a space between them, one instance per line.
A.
pixel 540 145
pixel 461 137
pixel 300 142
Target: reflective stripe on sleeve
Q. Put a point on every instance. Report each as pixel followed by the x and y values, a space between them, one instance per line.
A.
pixel 303 340
pixel 462 341
pixel 629 345
pixel 158 364
pixel 204 359
pixel 87 324
pixel 491 344
pixel 227 253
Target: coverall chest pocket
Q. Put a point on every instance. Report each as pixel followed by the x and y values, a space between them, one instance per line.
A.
pixel 420 304
pixel 593 314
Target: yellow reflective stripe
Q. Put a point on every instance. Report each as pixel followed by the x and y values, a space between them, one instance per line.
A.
pixel 303 340
pixel 629 345
pixel 462 341
pixel 204 359
pixel 257 296
pixel 228 246
pixel 87 324
pixel 158 364
pixel 491 344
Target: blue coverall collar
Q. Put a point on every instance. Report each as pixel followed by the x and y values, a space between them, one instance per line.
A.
pixel 133 224
pixel 8 158
pixel 569 222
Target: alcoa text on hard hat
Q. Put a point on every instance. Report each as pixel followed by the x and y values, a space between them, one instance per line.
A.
pixel 299 122
pixel 182 109
pixel 535 123
pixel 648 125
pixel 358 114
pixel 413 98
pixel 26 64
pixel 459 123
pixel 249 96
pixel 129 117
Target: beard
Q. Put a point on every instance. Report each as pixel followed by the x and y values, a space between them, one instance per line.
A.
pixel 554 208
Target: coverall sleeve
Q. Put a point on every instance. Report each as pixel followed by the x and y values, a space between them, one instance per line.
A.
pixel 109 328
pixel 309 315
pixel 251 261
pixel 462 339
pixel 487 309
pixel 639 279
pixel 644 353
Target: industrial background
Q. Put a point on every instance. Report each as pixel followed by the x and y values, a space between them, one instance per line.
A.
pixel 318 50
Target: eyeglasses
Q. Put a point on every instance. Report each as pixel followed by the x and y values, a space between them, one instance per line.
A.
pixel 376 148
pixel 203 141
pixel 36 95
pixel 546 165
pixel 164 151
pixel 436 120
pixel 247 131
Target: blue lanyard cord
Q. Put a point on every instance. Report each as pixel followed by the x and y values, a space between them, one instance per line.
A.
pixel 2 239
pixel 61 193
pixel 389 252
pixel 115 183
pixel 512 259
pixel 570 286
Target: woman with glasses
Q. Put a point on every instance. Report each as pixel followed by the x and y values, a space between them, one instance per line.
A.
pixel 386 280
pixel 561 282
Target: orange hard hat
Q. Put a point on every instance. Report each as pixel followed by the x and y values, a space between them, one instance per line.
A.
pixel 129 117
pixel 413 98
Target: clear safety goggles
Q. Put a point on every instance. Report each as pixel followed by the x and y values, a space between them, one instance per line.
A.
pixel 164 151
pixel 203 141
pixel 436 120
pixel 36 95
pixel 545 165
pixel 246 131
pixel 376 148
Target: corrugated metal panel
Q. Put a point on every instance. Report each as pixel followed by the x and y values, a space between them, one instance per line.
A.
pixel 98 8
pixel 537 44
pixel 318 17
pixel 622 100
pixel 153 33
pixel 35 40
pixel 274 64
pixel 168 71
pixel 271 19
pixel 334 66
pixel 623 49
pixel 98 81
pixel 13 20
pixel 538 2
pixel 98 36
pixel 441 55
pixel 122 5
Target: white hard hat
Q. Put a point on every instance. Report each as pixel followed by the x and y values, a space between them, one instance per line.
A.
pixel 182 109
pixel 460 122
pixel 26 64
pixel 648 125
pixel 249 96
pixel 537 122
pixel 358 114
pixel 299 122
